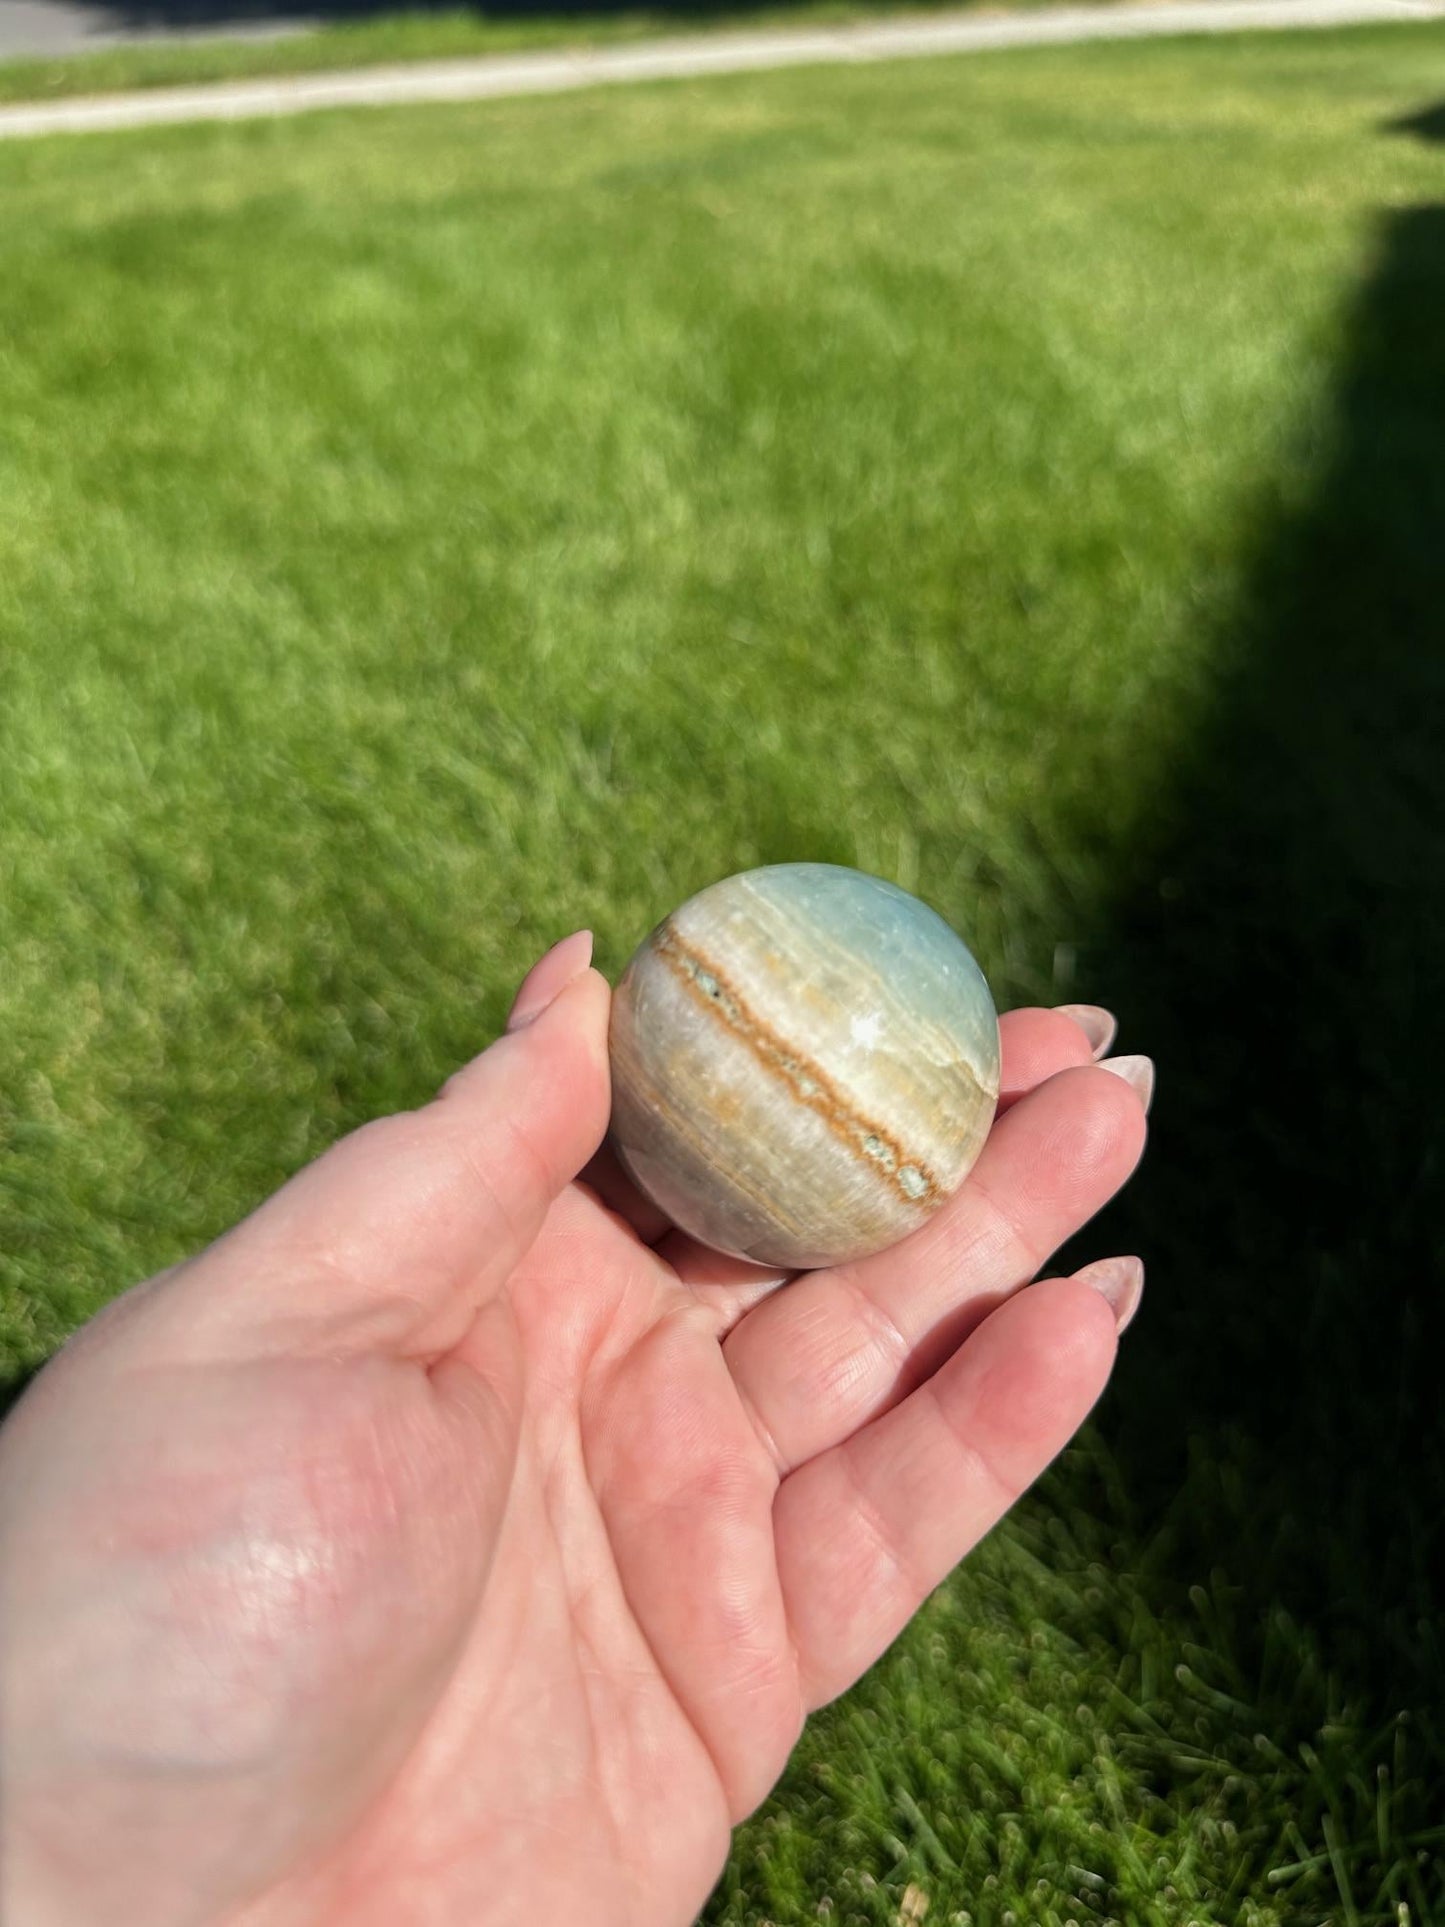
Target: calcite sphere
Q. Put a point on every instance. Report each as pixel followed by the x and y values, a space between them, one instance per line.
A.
pixel 805 1064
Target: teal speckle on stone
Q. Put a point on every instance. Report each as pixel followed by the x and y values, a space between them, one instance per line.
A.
pixel 805 1064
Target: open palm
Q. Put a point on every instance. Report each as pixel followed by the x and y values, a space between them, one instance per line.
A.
pixel 445 1545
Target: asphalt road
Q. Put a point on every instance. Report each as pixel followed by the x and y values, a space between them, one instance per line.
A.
pixel 39 27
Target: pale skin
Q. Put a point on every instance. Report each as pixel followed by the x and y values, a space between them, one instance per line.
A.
pixel 445 1547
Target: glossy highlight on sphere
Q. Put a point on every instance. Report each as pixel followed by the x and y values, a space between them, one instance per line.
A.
pixel 805 1064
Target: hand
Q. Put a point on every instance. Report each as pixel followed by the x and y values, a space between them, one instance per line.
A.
pixel 440 1547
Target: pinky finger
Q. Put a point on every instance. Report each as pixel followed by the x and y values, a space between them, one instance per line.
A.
pixel 866 1530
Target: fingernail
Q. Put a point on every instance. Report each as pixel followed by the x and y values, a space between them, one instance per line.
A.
pixel 1100 1026
pixel 1137 1073
pixel 1120 1281
pixel 549 977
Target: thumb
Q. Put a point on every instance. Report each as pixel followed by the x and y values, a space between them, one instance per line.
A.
pixel 397 1236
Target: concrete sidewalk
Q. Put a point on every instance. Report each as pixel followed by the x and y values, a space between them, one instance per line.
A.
pixel 722 53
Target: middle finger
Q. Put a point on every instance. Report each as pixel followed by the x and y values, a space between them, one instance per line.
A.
pixel 838 1347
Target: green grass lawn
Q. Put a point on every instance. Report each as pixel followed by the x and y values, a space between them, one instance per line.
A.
pixel 424 35
pixel 422 533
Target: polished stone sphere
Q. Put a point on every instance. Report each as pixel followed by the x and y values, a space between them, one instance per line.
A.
pixel 805 1064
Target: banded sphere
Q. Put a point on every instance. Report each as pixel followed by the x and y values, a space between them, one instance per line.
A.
pixel 805 1064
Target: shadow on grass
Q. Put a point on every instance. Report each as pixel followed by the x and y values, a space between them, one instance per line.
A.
pixel 1427 125
pixel 1279 948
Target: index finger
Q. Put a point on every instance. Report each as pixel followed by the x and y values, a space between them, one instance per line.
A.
pixel 1034 1045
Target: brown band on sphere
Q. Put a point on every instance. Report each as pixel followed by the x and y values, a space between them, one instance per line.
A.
pixel 713 991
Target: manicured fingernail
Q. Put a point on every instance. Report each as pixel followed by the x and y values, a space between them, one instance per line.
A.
pixel 549 977
pixel 1100 1026
pixel 1118 1280
pixel 1137 1073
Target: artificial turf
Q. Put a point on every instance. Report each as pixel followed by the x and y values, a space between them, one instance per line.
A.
pixel 422 533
